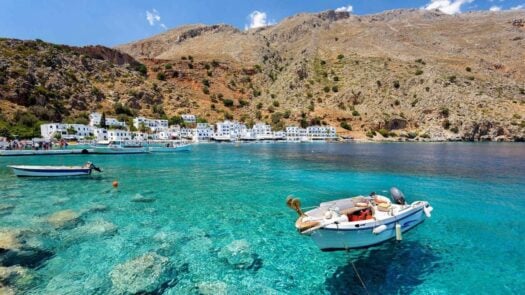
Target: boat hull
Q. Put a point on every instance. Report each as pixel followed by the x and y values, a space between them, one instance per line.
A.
pixel 50 172
pixel 112 150
pixel 360 235
pixel 160 149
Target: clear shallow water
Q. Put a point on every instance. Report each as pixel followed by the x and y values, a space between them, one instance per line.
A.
pixel 189 207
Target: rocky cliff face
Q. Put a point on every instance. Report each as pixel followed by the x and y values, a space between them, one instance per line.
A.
pixel 412 74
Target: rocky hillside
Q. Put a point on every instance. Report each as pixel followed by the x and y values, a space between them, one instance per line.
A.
pixel 404 73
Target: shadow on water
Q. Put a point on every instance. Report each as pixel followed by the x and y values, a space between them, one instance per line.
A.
pixel 393 268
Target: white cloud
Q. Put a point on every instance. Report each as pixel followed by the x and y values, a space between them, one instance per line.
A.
pixel 348 8
pixel 153 18
pixel 258 19
pixel 518 7
pixel 447 6
pixel 495 8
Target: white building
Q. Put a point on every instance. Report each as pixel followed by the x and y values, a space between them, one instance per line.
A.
pixel 117 135
pixel 262 131
pixel 100 134
pixel 294 133
pixel 153 124
pixel 204 131
pixel 186 133
pixel 321 132
pixel 189 118
pixel 94 120
pixel 66 131
pixel 233 129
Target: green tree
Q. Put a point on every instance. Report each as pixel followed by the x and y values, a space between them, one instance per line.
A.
pixel 176 120
pixel 102 123
pixel 346 126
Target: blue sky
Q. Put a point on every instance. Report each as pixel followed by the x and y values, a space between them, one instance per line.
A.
pixel 113 22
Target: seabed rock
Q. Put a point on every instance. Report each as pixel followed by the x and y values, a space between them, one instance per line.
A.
pixel 6 208
pixel 238 254
pixel 212 288
pixel 97 228
pixel 145 274
pixel 64 219
pixel 138 198
pixel 14 250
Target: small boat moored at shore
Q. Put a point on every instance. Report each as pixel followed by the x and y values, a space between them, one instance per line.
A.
pixel 360 221
pixel 169 147
pixel 120 147
pixel 53 171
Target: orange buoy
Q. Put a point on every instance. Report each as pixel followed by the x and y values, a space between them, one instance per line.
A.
pixel 115 184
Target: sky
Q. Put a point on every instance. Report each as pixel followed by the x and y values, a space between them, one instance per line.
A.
pixel 114 22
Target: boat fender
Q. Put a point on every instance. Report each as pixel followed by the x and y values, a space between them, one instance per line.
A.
pixel 428 210
pixel 379 229
pixel 399 234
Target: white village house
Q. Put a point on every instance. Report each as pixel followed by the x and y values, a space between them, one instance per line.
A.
pixel 153 124
pixel 94 120
pixel 66 131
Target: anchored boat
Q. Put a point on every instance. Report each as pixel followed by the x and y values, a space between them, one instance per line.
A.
pixel 169 147
pixel 120 147
pixel 359 221
pixel 53 171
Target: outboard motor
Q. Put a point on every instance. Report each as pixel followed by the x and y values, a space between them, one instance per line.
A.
pixel 398 196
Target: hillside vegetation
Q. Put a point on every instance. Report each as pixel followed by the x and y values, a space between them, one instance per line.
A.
pixel 404 73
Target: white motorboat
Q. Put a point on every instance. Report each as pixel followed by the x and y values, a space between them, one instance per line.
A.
pixel 53 171
pixel 170 147
pixel 360 221
pixel 120 147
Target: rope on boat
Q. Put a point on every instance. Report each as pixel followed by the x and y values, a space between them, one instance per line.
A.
pixel 359 277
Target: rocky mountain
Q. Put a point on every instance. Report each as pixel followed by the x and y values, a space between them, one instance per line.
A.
pixel 399 74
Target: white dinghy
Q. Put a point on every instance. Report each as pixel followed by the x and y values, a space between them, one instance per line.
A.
pixel 360 221
pixel 53 171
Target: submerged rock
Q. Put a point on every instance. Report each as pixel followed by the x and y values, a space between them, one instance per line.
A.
pixel 138 198
pixel 212 288
pixel 14 250
pixel 9 239
pixel 6 208
pixel 98 208
pixel 10 274
pixel 144 274
pixel 64 219
pixel 4 290
pixel 15 276
pixel 97 228
pixel 238 254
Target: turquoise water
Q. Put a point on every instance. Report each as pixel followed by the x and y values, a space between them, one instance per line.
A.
pixel 217 215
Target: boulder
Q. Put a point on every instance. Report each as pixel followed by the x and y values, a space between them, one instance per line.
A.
pixel 64 219
pixel 145 274
pixel 238 254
